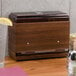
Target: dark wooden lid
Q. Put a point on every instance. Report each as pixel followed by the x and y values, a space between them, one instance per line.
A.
pixel 39 16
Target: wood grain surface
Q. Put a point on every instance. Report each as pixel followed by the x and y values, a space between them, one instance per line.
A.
pixel 45 67
pixel 39 36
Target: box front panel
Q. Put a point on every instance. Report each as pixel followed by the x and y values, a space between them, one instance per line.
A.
pixel 41 36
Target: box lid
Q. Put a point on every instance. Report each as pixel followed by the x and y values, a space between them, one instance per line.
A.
pixel 38 16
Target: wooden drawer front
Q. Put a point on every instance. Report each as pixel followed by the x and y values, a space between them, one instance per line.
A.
pixel 40 36
pixel 40 44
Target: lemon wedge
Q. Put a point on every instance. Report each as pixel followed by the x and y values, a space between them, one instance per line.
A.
pixel 6 21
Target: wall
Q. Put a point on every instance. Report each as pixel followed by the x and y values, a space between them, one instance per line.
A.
pixel 73 16
pixel 33 5
pixel 0 7
pixel 9 6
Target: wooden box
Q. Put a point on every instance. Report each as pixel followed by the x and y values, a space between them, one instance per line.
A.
pixel 37 35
